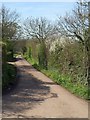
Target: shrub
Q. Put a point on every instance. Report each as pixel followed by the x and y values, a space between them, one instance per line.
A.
pixel 8 75
pixel 42 55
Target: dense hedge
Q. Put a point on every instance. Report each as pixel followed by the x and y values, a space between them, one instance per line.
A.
pixel 8 76
pixel 66 66
pixel 8 70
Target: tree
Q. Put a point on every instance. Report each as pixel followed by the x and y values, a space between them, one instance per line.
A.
pixel 41 29
pixel 77 25
pixel 10 24
pixel 10 27
pixel 88 48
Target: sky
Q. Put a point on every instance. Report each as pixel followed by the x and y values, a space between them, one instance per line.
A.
pixel 37 0
pixel 50 10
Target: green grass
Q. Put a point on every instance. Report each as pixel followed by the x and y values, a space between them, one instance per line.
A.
pixel 8 75
pixel 30 60
pixel 66 81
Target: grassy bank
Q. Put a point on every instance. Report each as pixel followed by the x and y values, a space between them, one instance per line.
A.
pixel 66 81
pixel 77 88
pixel 9 76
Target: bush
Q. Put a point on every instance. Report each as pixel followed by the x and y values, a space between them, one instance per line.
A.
pixel 42 56
pixel 24 50
pixel 4 53
pixel 8 75
pixel 70 60
pixel 29 52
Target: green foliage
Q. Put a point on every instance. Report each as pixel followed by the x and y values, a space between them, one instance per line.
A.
pixel 7 51
pixel 66 67
pixel 70 60
pixel 33 51
pixel 4 53
pixel 42 55
pixel 10 55
pixel 10 28
pixel 24 50
pixel 8 71
pixel 66 81
pixel 89 92
pixel 31 60
pixel 8 75
pixel 29 52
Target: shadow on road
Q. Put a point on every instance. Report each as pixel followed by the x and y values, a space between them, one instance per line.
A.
pixel 29 93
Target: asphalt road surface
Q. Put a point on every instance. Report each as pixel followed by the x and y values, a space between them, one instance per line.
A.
pixel 37 96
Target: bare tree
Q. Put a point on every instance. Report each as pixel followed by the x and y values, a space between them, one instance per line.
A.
pixel 41 29
pixel 77 25
pixel 10 26
pixel 10 29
